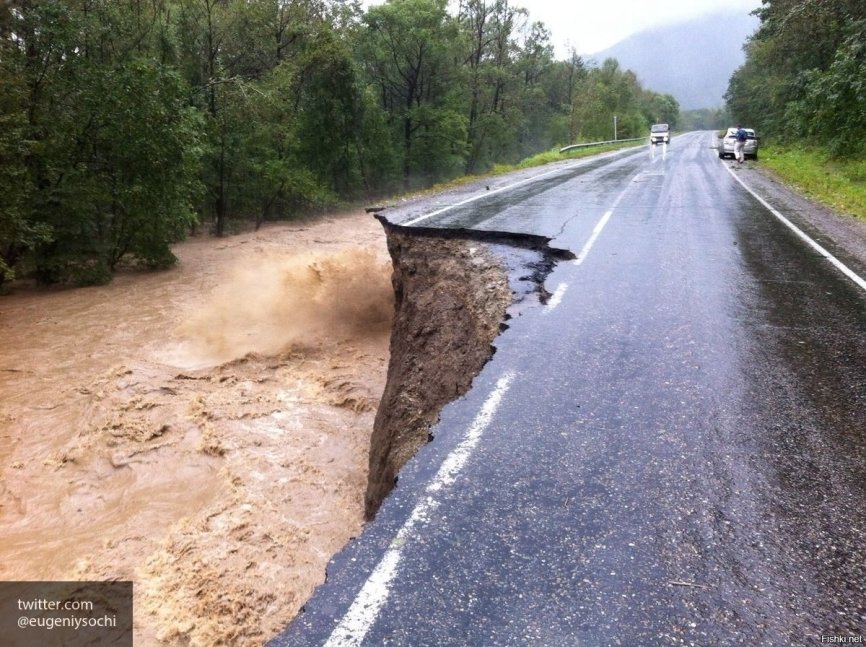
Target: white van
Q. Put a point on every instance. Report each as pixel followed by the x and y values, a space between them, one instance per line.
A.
pixel 660 134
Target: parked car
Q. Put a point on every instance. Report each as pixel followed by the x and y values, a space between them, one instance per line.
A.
pixel 660 134
pixel 727 141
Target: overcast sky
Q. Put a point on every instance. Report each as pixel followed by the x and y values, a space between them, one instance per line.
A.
pixel 593 25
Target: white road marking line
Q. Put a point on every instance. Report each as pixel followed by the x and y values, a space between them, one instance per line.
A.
pixel 653 152
pixel 559 292
pixel 847 271
pixel 369 602
pixel 596 232
pixel 556 298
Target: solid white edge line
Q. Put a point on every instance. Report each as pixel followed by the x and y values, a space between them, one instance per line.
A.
pixel 847 271
pixel 364 610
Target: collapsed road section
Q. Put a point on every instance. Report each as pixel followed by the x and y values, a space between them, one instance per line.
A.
pixel 453 289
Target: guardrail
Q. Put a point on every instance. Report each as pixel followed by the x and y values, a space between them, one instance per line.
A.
pixel 612 141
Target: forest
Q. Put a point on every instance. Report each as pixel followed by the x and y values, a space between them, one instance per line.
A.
pixel 127 124
pixel 804 79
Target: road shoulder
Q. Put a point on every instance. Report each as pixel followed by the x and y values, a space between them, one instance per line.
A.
pixel 842 234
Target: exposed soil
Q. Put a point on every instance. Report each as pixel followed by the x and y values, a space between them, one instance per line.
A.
pixel 451 297
pixel 453 289
pixel 203 432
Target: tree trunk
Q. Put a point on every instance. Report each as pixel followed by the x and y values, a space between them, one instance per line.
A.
pixel 220 212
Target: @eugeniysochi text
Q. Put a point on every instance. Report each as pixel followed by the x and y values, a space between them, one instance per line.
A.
pixel 56 622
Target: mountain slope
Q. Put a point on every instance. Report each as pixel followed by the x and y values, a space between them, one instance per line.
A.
pixel 691 60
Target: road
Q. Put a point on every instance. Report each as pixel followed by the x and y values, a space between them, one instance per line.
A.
pixel 671 451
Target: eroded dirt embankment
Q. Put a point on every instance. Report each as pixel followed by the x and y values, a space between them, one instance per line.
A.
pixel 452 290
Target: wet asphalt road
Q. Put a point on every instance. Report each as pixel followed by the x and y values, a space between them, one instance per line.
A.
pixel 672 451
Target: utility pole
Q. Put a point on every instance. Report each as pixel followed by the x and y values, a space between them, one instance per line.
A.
pixel 614 128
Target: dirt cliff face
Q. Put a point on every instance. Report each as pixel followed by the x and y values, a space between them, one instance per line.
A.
pixel 452 288
pixel 451 296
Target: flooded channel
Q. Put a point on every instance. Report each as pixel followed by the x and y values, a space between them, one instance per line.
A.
pixel 202 431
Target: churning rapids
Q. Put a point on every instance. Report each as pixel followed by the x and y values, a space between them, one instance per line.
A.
pixel 203 431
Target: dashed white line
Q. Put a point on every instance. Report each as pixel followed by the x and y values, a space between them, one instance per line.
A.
pixel 364 611
pixel 556 298
pixel 562 288
pixel 559 292
pixel 847 271
pixel 596 232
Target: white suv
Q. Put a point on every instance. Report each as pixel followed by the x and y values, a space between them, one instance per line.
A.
pixel 727 141
pixel 660 134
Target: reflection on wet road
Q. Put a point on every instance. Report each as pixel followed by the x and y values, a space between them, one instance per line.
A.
pixel 679 456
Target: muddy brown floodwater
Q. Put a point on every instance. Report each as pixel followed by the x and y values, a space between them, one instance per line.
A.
pixel 203 431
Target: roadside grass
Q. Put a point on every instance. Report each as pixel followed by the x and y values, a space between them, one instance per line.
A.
pixel 838 183
pixel 553 155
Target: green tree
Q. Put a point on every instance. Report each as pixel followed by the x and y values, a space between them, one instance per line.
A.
pixel 116 117
pixel 408 50
pixel 125 187
pixel 661 109
pixel 789 58
pixel 534 66
pixel 490 31
pixel 279 92
pixel 756 92
pixel 107 140
pixel 704 119
pixel 830 108
pixel 606 92
pixel 17 233
pixel 567 79
pixel 302 145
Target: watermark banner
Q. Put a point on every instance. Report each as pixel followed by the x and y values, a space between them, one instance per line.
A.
pixel 66 614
